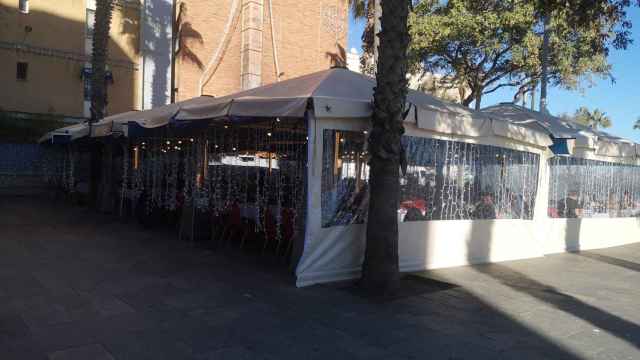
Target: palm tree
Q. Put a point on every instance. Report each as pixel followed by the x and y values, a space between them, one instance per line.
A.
pixel 380 271
pixel 366 9
pixel 102 26
pixel 594 119
pixel 636 126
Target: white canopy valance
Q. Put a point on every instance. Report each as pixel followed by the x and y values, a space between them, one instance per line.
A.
pixel 334 93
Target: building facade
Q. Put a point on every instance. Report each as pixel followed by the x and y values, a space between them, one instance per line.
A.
pixel 241 44
pixel 45 57
pixel 45 50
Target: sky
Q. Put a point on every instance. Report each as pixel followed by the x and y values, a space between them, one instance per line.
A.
pixel 619 100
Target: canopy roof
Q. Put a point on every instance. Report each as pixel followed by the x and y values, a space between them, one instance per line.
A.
pixel 66 134
pixel 582 136
pixel 333 93
pixel 148 119
pixel 340 93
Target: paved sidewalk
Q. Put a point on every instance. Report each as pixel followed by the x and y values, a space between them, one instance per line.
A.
pixel 74 285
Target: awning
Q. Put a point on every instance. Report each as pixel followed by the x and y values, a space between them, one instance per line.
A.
pixel 66 134
pixel 566 135
pixel 334 93
pixel 120 124
pixel 343 94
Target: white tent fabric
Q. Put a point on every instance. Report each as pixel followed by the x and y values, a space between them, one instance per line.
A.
pixel 333 93
pixel 148 119
pixel 600 142
pixel 72 132
pixel 616 148
pixel 554 126
pixel 520 133
pixel 106 126
pixel 343 94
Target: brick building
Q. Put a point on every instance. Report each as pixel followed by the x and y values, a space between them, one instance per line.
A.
pixel 222 46
pixel 230 46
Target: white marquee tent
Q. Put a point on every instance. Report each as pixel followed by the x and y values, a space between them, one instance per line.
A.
pixel 476 190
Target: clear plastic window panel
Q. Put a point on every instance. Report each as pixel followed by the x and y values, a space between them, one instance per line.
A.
pixel 445 180
pixel 449 180
pixel 589 188
pixel 345 177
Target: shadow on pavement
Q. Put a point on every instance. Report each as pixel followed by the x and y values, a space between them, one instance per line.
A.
pixel 629 265
pixel 617 326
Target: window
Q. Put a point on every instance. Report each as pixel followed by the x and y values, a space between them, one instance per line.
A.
pixel 450 180
pixel 23 6
pixel 590 188
pixel 445 180
pixel 22 70
pixel 345 178
pixel 91 21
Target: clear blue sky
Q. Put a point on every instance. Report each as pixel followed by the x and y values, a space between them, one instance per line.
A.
pixel 621 101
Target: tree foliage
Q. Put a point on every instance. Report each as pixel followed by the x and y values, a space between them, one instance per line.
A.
pixel 488 45
pixel 594 119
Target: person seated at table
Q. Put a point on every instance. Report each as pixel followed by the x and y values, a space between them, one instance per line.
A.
pixel 570 207
pixel 485 209
pixel 627 201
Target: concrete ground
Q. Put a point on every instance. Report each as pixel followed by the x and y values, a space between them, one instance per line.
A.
pixel 75 285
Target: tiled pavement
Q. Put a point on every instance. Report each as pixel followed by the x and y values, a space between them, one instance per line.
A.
pixel 74 285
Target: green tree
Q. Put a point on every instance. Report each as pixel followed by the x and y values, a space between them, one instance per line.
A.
pixel 636 126
pixel 577 36
pixel 485 45
pixel 380 271
pixel 493 44
pixel 594 119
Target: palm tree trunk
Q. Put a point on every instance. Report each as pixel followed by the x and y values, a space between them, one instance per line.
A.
pixel 102 26
pixel 377 26
pixel 380 271
pixel 545 65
